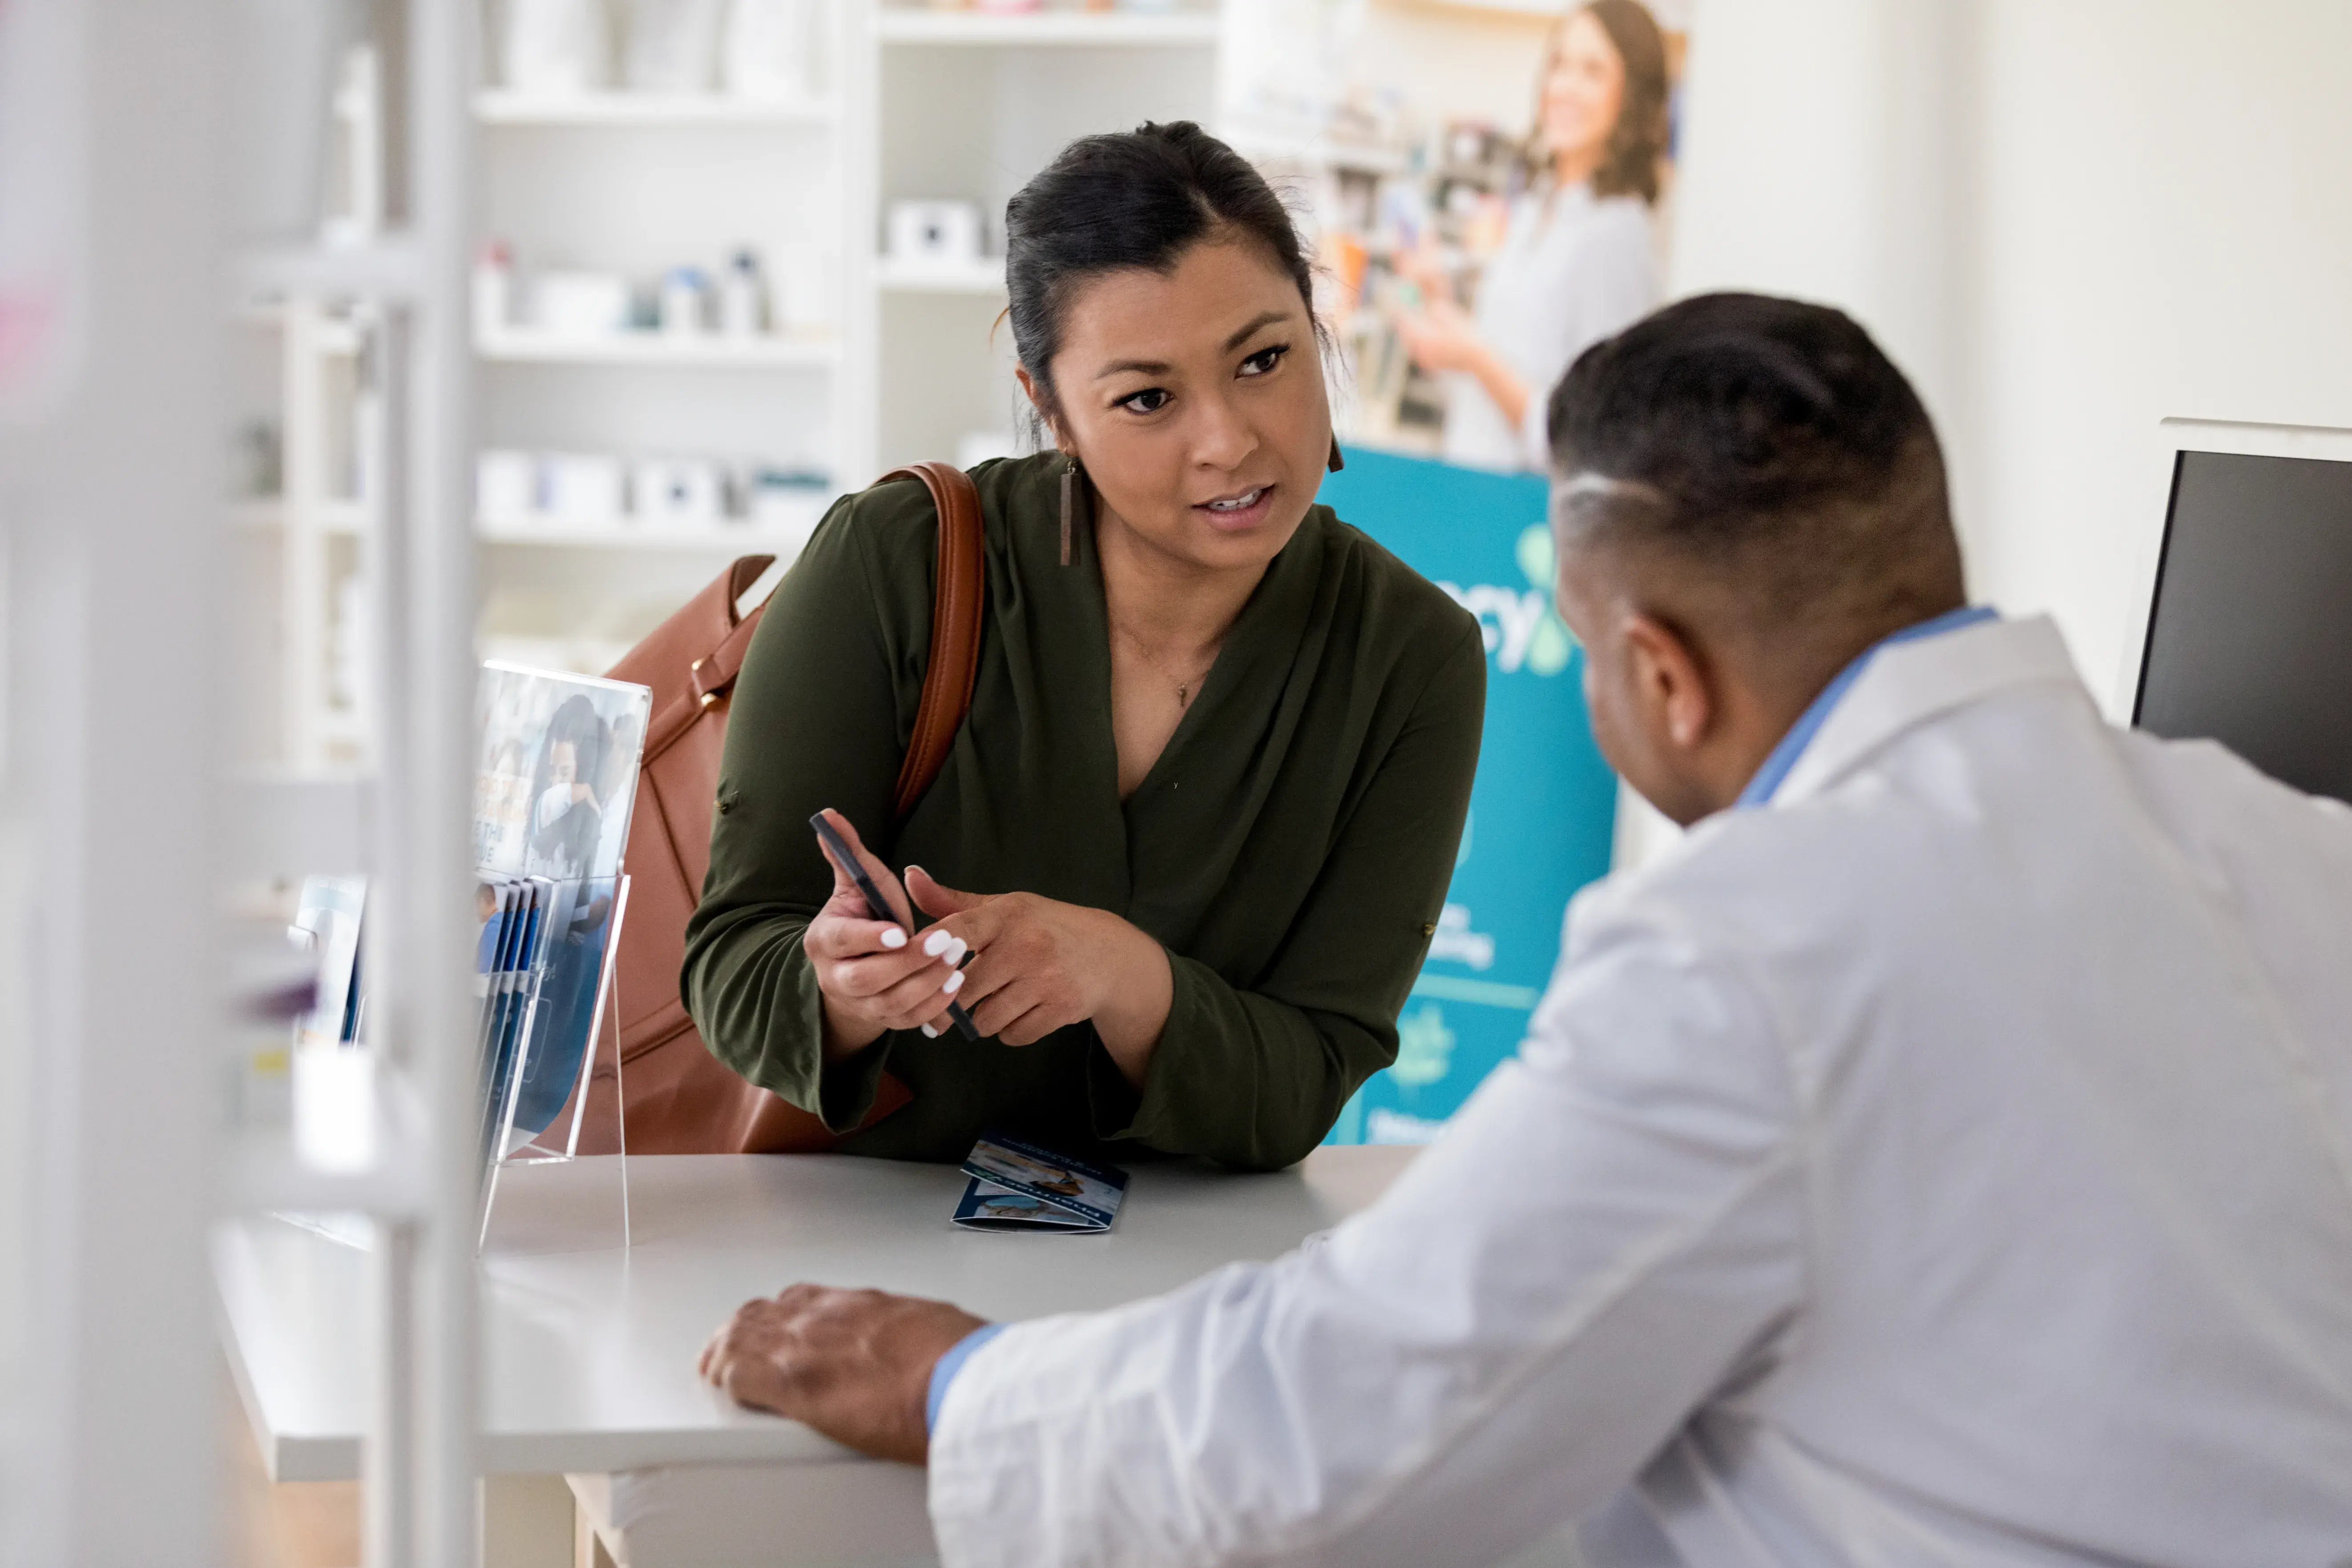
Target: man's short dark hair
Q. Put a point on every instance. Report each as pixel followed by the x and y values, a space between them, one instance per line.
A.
pixel 1771 443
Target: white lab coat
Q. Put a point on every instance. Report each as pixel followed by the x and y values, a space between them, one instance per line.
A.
pixel 1949 1162
pixel 1572 269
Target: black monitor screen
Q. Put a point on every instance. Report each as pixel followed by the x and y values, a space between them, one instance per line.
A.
pixel 2250 642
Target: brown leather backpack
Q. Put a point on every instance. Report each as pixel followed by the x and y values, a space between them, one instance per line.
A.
pixel 676 1097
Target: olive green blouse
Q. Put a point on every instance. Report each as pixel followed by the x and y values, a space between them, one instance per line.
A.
pixel 1290 848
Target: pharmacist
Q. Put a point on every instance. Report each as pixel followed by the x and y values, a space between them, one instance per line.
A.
pixel 1943 1155
pixel 1577 261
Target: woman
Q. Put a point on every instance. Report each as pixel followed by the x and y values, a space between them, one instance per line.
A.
pixel 1576 263
pixel 566 817
pixel 1197 828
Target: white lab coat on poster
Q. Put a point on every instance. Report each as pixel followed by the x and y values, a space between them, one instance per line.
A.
pixel 1947 1163
pixel 1573 268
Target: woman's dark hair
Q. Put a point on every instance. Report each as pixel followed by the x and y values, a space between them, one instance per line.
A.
pixel 575 722
pixel 1130 199
pixel 1630 163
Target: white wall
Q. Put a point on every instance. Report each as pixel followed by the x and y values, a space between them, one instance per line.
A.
pixel 2169 231
pixel 2066 218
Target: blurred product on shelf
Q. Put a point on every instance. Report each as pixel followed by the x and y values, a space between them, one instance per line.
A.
pixel 679 490
pixel 799 286
pixel 506 484
pixel 583 487
pixel 672 44
pixel 943 234
pixel 756 51
pixel 769 54
pixel 744 297
pixel 581 304
pixel 685 301
pixel 258 465
pixel 515 492
pixel 742 303
pixel 556 47
pixel 494 289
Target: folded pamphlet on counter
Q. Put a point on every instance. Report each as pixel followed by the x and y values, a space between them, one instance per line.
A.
pixel 1019 1185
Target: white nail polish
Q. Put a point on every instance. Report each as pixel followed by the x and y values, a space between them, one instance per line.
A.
pixel 937 944
pixel 955 954
pixel 955 983
pixel 894 938
pixel 929 1033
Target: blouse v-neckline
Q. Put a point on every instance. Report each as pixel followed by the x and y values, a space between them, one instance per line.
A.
pixel 1282 597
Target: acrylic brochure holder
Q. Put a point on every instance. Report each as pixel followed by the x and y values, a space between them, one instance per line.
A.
pixel 554 789
pixel 540 1192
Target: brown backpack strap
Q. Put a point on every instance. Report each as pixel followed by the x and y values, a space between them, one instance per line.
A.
pixel 958 600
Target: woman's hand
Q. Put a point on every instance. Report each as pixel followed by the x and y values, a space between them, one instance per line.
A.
pixel 872 976
pixel 1041 964
pixel 1442 336
pixel 1445 337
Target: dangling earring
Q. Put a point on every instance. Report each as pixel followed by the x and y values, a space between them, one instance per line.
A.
pixel 1069 504
pixel 1338 462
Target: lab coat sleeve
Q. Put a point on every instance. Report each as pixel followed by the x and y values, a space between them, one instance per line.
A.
pixel 1612 1229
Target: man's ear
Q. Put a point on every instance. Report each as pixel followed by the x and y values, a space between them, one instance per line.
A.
pixel 1669 680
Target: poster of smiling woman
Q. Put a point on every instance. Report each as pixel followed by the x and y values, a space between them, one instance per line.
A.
pixel 1488 188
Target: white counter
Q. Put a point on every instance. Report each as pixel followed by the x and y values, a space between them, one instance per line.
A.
pixel 589 1355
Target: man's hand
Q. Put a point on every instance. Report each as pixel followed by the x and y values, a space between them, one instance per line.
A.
pixel 855 1365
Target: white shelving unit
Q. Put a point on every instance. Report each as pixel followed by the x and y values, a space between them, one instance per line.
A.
pixel 726 539
pixel 985 276
pixel 646 110
pixel 1094 29
pixel 707 351
pixel 912 102
pixel 968 105
pixel 369 540
pixel 632 182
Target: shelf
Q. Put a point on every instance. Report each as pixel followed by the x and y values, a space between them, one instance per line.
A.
pixel 909 25
pixel 985 276
pixel 730 538
pixel 262 1173
pixel 649 109
pixel 392 266
pixel 709 350
pixel 334 336
pixel 269 511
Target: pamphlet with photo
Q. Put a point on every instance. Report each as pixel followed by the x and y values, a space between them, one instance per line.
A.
pixel 1019 1185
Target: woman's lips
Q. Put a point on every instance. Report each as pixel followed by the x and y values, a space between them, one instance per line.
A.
pixel 1239 519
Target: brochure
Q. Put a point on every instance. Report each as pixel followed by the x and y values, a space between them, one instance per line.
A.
pixel 555 782
pixel 558 773
pixel 1019 1185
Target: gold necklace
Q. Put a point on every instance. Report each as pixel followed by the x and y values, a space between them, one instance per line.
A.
pixel 1184 686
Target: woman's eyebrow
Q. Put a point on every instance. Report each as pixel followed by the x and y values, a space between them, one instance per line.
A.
pixel 1256 324
pixel 1160 367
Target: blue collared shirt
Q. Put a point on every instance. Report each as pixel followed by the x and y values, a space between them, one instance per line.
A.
pixel 943 1372
pixel 1768 777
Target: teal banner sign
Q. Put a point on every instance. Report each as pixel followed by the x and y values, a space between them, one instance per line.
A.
pixel 1543 812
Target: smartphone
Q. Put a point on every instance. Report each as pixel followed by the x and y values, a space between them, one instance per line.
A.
pixel 843 857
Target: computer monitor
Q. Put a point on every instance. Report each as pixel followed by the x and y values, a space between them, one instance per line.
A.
pixel 2249 633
